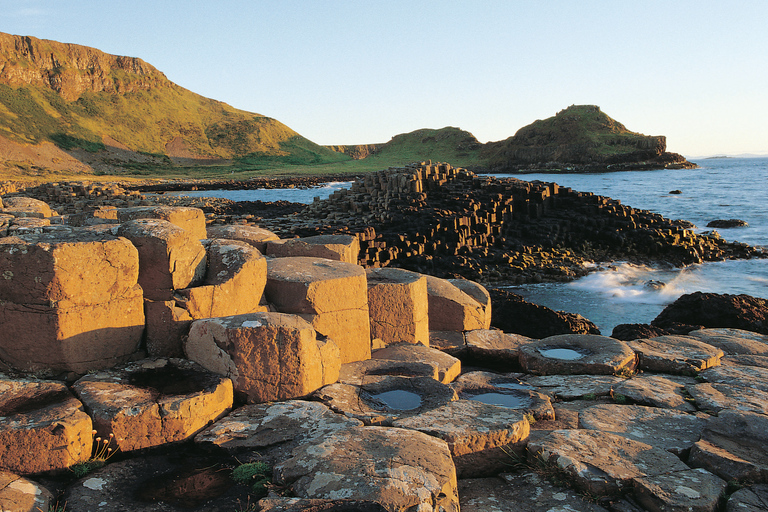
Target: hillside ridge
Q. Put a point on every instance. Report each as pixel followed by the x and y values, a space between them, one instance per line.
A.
pixel 118 114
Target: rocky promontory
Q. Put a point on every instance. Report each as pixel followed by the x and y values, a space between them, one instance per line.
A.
pixel 580 138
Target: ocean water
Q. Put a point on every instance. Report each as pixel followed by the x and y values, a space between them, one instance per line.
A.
pixel 295 195
pixel 723 188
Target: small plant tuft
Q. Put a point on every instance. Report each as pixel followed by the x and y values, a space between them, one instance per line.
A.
pixel 102 451
pixel 257 474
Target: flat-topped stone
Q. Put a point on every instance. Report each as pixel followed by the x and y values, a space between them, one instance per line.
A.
pixel 42 427
pixel 333 247
pixel 398 305
pixel 733 341
pixel 400 469
pixel 526 492
pixel 74 267
pixel 191 220
pixel 233 285
pixel 480 436
pixel 748 376
pixel 668 429
pixel 504 391
pixel 734 446
pixel 330 295
pixel 749 499
pixel 292 422
pixel 452 309
pixel 381 400
pixel 601 462
pixel 448 366
pixel 577 354
pixel 573 387
pixel 694 490
pixel 715 397
pixel 17 494
pixel 170 258
pixel 252 235
pixel 268 356
pixel 26 207
pixel 359 372
pixel 675 354
pixel 665 391
pixel 153 402
pixel 494 348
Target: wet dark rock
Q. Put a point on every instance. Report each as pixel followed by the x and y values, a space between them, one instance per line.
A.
pixel 727 223
pixel 513 314
pixel 629 332
pixel 716 310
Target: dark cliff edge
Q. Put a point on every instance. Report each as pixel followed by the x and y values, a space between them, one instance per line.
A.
pixel 580 138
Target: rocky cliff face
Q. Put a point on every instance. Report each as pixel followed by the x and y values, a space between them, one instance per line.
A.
pixel 357 151
pixel 581 136
pixel 71 69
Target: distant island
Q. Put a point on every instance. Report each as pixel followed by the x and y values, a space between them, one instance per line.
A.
pixel 68 110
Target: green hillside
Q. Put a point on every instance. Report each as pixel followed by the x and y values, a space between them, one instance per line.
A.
pixel 76 97
pixel 578 135
pixel 447 144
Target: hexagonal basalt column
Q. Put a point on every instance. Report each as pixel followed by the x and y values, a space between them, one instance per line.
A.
pixel 154 402
pixel 268 356
pixel 398 305
pixel 69 301
pixel 42 427
pixel 330 295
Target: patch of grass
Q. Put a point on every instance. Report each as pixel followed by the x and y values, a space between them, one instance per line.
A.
pixel 256 474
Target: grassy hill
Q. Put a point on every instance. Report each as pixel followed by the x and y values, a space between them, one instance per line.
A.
pixel 448 144
pixel 87 102
pixel 578 135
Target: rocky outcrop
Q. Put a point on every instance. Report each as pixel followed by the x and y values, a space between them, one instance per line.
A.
pixel 71 69
pixel 580 138
pixel 701 309
pixel 357 151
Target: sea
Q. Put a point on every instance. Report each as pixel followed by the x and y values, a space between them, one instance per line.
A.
pixel 620 292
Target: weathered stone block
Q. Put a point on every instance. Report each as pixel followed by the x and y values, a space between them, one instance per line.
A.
pixel 480 436
pixel 268 356
pixel 331 295
pixel 42 427
pixel 72 337
pixel 191 220
pixel 26 207
pixel 577 354
pixel 451 309
pixel 80 267
pixel 398 306
pixel 400 469
pixel 169 257
pixel 252 235
pixel 234 282
pixel 333 247
pixel 153 402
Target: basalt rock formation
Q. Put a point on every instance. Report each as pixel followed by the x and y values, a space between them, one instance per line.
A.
pixel 445 221
pixel 580 138
pixel 263 406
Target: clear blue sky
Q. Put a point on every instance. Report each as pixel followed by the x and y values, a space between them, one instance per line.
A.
pixel 352 72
